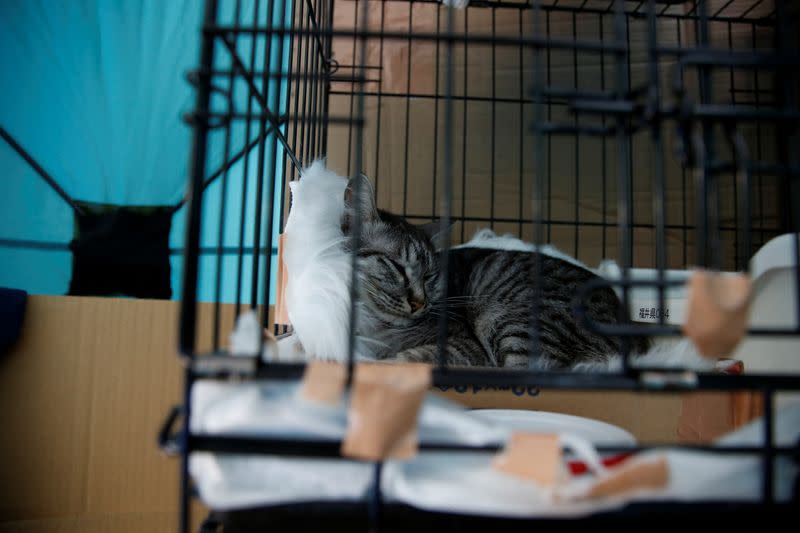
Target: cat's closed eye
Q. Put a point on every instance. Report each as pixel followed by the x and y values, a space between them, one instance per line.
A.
pixel 400 269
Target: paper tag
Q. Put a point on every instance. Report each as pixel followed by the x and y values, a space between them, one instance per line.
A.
pixel 534 456
pixel 323 382
pixel 281 310
pixel 384 405
pixel 631 476
pixel 717 312
pixel 647 310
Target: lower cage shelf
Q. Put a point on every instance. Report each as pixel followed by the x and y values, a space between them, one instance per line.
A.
pixel 350 516
pixel 276 447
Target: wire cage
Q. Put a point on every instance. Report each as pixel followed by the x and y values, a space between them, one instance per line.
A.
pixel 659 133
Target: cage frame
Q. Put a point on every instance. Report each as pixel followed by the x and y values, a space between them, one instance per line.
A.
pixel 620 106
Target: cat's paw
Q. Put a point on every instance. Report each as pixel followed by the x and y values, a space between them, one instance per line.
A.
pixel 609 269
pixel 422 354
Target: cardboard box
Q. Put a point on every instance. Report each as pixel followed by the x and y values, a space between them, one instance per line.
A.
pixel 91 380
pixel 649 417
pixel 84 392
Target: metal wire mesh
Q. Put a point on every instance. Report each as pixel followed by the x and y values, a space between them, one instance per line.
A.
pixel 662 134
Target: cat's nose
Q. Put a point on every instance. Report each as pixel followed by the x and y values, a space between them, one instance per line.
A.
pixel 415 304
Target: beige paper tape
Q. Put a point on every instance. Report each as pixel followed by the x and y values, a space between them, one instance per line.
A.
pixel 534 456
pixel 384 405
pixel 281 310
pixel 717 311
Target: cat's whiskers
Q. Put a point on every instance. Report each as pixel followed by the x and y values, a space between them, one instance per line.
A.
pixel 450 314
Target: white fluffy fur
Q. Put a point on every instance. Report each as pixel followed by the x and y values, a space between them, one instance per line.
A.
pixel 663 354
pixel 319 273
pixel 486 238
pixel 318 268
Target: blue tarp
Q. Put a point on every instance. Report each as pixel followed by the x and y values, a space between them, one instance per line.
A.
pixel 95 90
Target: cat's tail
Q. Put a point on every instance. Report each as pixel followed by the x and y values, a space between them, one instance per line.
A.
pixel 680 353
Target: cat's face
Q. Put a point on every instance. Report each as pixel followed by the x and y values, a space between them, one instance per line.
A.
pixel 398 275
pixel 398 267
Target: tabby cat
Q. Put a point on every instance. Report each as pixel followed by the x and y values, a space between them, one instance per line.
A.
pixel 489 302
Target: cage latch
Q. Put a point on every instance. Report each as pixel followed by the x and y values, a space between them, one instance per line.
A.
pixel 168 441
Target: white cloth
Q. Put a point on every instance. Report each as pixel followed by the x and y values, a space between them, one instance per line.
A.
pixel 276 409
pixel 448 482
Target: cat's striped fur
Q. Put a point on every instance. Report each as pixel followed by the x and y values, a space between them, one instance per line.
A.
pixel 489 299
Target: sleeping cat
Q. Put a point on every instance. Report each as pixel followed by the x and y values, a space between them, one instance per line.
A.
pixel 489 301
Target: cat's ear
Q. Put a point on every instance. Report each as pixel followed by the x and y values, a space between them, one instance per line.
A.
pixel 436 231
pixel 359 196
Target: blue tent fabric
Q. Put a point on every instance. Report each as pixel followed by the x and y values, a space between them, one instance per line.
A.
pixel 95 90
pixel 88 85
